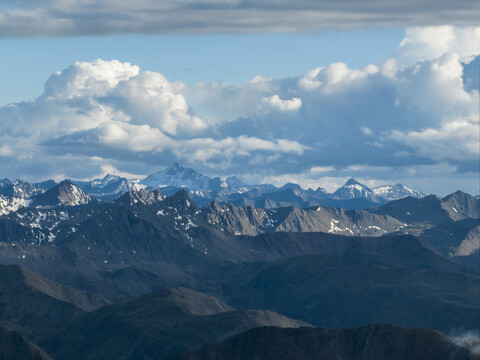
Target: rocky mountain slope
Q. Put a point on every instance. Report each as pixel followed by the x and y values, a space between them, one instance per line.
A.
pixel 432 209
pixel 251 221
pixel 23 189
pixel 449 224
pixel 65 193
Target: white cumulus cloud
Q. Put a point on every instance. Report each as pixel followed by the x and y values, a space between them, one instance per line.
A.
pixel 431 42
pixel 112 110
pixel 392 119
pixel 274 102
pixel 459 140
pixel 333 77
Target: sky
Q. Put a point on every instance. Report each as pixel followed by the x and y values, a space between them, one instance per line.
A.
pixel 312 92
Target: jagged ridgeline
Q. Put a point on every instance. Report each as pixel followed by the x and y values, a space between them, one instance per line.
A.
pixel 66 215
pixel 203 189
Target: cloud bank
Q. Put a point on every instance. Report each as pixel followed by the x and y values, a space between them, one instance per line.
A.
pixel 413 118
pixel 26 18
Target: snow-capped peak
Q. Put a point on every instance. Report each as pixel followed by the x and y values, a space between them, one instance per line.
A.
pixel 352 190
pixel 397 191
pixel 181 177
pixel 352 183
pixel 109 187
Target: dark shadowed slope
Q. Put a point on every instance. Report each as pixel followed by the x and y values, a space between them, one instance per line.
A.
pixel 157 325
pixel 367 343
pixel 14 346
pixel 393 251
pixel 37 306
pixel 338 292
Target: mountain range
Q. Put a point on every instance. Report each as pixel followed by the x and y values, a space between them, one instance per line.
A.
pixel 65 212
pixel 203 189
pixel 149 274
pixel 56 213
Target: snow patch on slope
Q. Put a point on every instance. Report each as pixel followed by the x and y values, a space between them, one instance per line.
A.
pixel 11 204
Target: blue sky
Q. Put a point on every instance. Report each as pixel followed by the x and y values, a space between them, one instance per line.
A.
pixel 26 63
pixel 309 92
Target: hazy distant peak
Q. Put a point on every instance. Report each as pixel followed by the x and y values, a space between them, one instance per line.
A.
pixel 235 182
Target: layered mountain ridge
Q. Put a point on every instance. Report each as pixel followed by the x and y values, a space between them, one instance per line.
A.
pixel 203 189
pixel 36 305
pixel 62 213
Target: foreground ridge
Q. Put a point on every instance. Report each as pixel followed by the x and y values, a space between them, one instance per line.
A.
pixel 369 342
